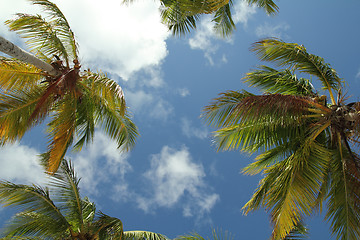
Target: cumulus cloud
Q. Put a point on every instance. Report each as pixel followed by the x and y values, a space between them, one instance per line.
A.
pixel 205 38
pixel 19 163
pixel 174 177
pixel 267 30
pixel 100 163
pixel 112 36
pixel 190 131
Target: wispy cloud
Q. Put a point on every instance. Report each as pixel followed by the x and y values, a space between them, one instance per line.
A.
pixel 189 130
pixel 175 179
pixel 20 163
pixel 183 92
pixel 267 30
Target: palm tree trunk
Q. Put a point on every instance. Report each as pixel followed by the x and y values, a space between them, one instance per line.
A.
pixel 14 51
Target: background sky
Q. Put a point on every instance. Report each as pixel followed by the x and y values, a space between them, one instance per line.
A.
pixel 174 181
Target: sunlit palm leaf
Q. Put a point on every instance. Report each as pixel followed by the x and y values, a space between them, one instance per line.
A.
pixel 107 227
pixel 216 235
pixel 299 178
pixel 15 111
pixel 297 57
pixel 142 235
pixel 61 130
pixel 284 82
pixel 40 35
pixel 61 26
pixel 15 74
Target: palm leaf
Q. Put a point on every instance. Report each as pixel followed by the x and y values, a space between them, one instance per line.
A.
pixel 15 74
pixel 15 111
pixel 143 235
pixel 297 57
pixel 107 227
pixel 61 26
pixel 224 25
pixel 42 37
pixel 283 82
pixel 268 5
pixel 61 130
pixel 67 194
pixel 31 199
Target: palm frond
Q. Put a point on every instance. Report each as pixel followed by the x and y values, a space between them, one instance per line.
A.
pixel 268 5
pixel 297 57
pixel 299 177
pixel 31 199
pixel 106 100
pixel 16 74
pixel 32 225
pixel 15 111
pixel 61 130
pixel 41 37
pixel 61 26
pixel 67 194
pixel 283 82
pixel 143 235
pixel 343 203
pixel 107 227
pixel 224 25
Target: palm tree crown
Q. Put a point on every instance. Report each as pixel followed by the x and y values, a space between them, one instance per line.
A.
pixel 307 140
pixel 77 101
pixel 59 212
pixel 180 16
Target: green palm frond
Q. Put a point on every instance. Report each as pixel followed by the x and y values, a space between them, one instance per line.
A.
pixel 344 194
pixel 178 22
pixel 15 74
pixel 107 227
pixel 298 233
pixel 35 203
pixel 298 58
pixel 143 235
pixel 61 26
pixel 15 111
pixel 289 188
pixel 105 98
pixel 67 194
pixel 224 25
pixel 284 82
pixel 34 224
pixel 268 5
pixel 41 37
pixel 216 235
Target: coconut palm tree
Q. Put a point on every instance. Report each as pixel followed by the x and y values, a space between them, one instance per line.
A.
pixel 308 141
pixel 180 16
pixel 50 83
pixel 59 212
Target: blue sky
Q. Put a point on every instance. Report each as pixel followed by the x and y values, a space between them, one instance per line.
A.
pixel 174 181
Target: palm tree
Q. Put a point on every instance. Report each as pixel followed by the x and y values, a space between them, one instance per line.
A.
pixel 308 143
pixel 180 16
pixel 50 83
pixel 59 212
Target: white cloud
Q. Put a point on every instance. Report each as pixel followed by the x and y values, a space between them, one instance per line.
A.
pixel 190 131
pixel 19 163
pixel 266 30
pixel 151 105
pixel 205 38
pixel 99 163
pixel 113 37
pixel 175 178
pixel 183 92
